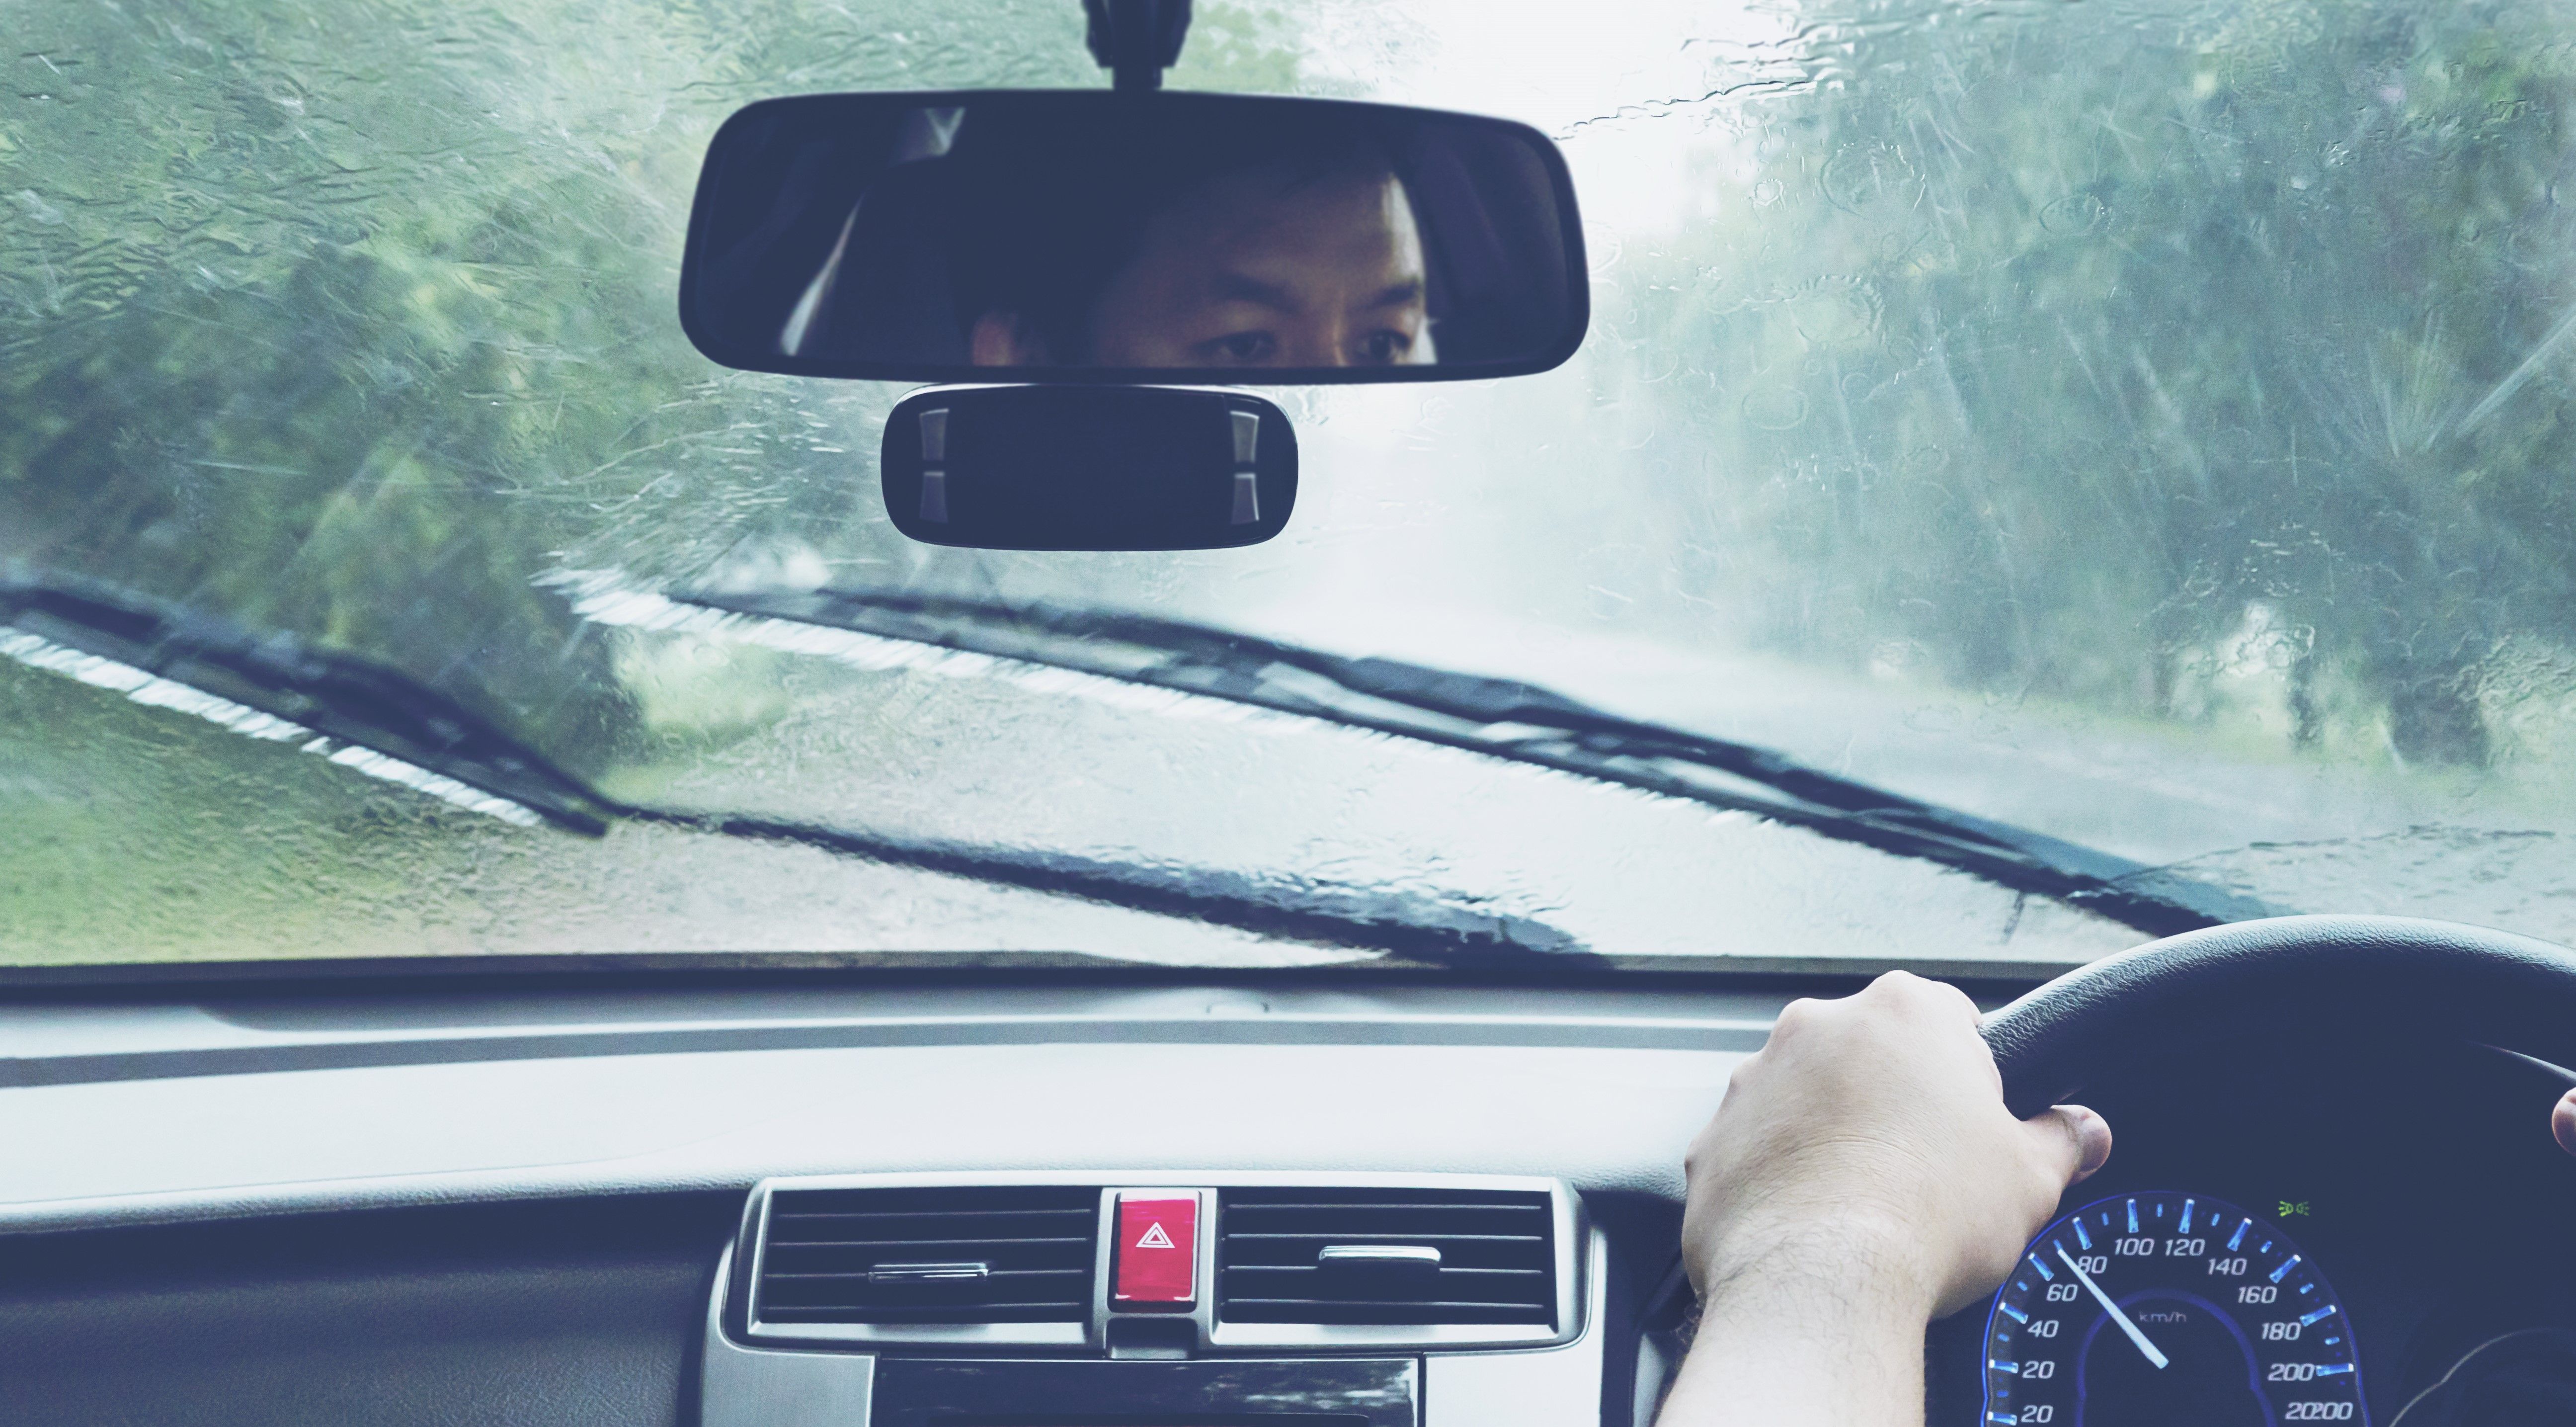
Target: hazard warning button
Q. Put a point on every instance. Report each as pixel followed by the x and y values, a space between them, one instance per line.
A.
pixel 1158 1250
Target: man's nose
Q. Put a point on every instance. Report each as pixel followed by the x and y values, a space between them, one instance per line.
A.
pixel 1328 345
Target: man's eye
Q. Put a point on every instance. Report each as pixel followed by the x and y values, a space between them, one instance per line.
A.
pixel 1386 346
pixel 1241 347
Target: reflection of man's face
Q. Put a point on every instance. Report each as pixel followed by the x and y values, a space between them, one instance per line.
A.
pixel 1265 269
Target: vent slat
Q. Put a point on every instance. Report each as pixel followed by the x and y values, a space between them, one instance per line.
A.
pixel 1369 1238
pixel 1450 1207
pixel 1497 1257
pixel 862 1276
pixel 790 1215
pixel 1534 1275
pixel 1425 1304
pixel 776 1243
pixel 1040 1243
pixel 1045 1310
pixel 1371 1314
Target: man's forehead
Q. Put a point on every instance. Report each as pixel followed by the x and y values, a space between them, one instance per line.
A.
pixel 1353 211
pixel 1288 294
pixel 1355 254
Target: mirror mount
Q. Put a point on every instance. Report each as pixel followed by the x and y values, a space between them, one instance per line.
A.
pixel 1136 40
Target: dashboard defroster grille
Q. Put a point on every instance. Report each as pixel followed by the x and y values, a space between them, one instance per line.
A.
pixel 1385 1256
pixel 996 1254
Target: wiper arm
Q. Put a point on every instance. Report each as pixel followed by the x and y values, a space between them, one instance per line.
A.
pixel 1502 718
pixel 381 721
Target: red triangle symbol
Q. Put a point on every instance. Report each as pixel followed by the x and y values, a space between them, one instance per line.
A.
pixel 1155 1238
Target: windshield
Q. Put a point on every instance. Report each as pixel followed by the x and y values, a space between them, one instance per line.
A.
pixel 2143 426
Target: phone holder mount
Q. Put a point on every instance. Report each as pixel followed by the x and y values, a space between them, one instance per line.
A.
pixel 1081 467
pixel 1136 40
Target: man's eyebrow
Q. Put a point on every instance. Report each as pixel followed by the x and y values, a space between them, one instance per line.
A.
pixel 1236 287
pixel 1400 295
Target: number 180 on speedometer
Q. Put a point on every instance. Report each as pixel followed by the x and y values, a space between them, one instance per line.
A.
pixel 2146 1310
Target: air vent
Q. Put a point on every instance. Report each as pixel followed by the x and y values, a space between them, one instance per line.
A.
pixel 1381 1256
pixel 966 1255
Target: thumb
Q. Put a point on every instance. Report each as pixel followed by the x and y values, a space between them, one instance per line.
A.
pixel 2072 1140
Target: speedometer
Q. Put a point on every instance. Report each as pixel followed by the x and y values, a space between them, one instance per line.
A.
pixel 2144 1310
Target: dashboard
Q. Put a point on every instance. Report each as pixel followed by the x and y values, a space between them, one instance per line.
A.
pixel 1161 1198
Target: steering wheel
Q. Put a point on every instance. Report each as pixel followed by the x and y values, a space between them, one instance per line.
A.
pixel 2332 979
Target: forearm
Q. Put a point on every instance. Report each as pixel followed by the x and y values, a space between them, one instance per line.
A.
pixel 1827 1348
pixel 1862 1177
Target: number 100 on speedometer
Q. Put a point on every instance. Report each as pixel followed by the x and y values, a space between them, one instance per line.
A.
pixel 2146 1310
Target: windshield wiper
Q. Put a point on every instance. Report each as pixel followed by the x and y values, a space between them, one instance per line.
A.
pixel 1502 718
pixel 273 686
pixel 381 721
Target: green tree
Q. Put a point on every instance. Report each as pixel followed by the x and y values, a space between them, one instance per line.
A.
pixel 2071 341
pixel 353 321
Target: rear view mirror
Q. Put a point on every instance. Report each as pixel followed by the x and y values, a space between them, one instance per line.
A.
pixel 1088 468
pixel 1088 235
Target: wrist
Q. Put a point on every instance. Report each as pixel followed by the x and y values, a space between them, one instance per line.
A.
pixel 1816 1330
pixel 1852 1267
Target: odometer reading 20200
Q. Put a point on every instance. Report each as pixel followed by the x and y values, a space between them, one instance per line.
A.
pixel 2146 1310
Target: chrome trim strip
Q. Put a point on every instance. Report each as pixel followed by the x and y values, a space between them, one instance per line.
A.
pixel 1104 1260
pixel 954 1335
pixel 1573 1232
pixel 759 1258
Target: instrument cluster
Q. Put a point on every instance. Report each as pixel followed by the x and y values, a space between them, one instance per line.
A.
pixel 2281 1238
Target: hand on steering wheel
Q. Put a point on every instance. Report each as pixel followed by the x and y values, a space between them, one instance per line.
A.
pixel 1876 1166
pixel 1861 1178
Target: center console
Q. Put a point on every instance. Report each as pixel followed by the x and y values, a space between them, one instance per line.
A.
pixel 1161 1300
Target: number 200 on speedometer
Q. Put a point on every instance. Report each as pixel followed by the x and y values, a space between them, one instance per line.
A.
pixel 2144 1310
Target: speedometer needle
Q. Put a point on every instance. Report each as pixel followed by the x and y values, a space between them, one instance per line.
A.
pixel 2086 1279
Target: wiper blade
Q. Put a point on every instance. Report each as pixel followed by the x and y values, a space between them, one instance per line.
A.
pixel 1427 927
pixel 1502 718
pixel 381 721
pixel 275 686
